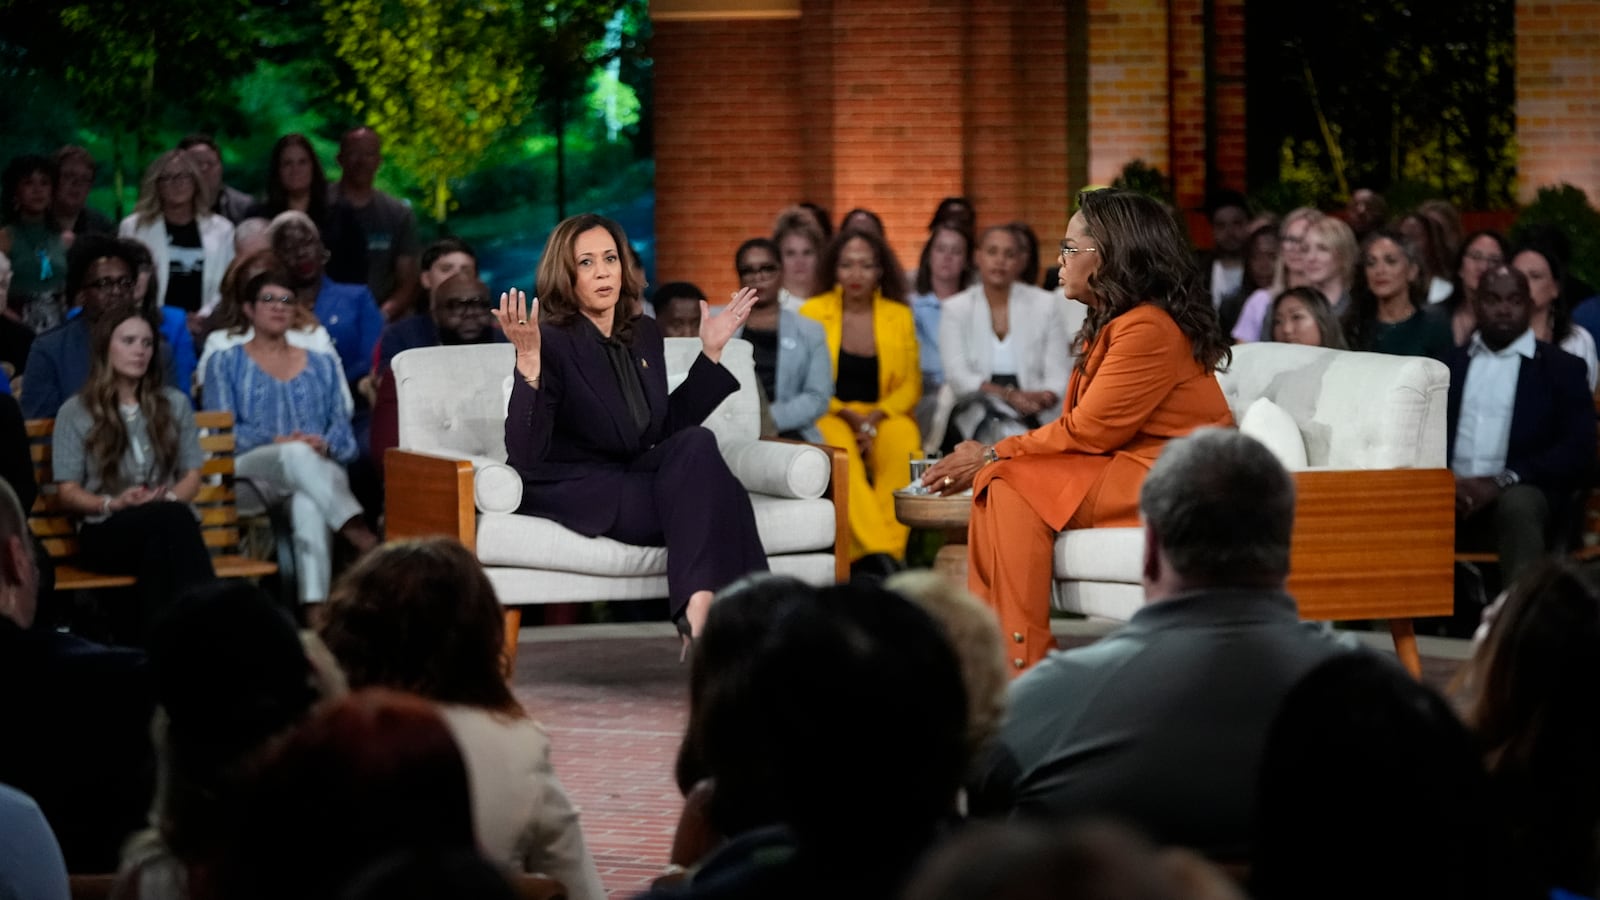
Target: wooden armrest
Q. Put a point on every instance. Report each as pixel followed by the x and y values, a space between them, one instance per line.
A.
pixel 426 495
pixel 839 493
pixel 1374 544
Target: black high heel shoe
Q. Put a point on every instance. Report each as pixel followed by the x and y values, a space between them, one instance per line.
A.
pixel 681 621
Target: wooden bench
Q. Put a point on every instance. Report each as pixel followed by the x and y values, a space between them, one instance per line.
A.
pixel 216 504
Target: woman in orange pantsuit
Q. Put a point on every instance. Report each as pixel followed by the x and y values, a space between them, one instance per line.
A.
pixel 1151 344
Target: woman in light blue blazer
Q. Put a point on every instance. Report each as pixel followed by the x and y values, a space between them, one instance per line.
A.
pixel 791 352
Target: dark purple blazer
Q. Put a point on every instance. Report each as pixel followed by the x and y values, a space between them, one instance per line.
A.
pixel 572 439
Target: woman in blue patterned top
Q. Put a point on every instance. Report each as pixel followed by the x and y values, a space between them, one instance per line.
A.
pixel 126 457
pixel 291 427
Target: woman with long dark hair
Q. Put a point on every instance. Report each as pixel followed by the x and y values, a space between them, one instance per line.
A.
pixel 295 180
pixel 1389 310
pixel 1150 349
pixel 126 456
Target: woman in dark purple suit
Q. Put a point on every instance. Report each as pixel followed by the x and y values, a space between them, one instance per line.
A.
pixel 601 447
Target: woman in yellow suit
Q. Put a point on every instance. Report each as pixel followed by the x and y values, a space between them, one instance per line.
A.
pixel 1151 347
pixel 877 382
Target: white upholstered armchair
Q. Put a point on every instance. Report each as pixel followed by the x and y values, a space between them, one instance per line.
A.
pixel 448 476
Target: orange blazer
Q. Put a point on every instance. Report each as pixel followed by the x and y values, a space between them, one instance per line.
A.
pixel 1138 388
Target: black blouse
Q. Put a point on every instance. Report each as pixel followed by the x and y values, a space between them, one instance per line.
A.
pixel 857 380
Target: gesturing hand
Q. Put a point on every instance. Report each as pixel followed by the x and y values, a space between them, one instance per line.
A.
pixel 519 319
pixel 716 330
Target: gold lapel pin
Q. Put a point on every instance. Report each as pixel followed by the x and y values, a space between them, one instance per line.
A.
pixel 645 363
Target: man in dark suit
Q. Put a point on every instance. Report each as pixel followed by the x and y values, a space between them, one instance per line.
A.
pixel 1161 724
pixel 77 717
pixel 1521 428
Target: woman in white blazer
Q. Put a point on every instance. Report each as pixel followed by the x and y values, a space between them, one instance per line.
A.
pixel 1005 345
pixel 191 247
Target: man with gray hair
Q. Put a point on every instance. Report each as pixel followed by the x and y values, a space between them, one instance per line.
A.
pixel 1161 723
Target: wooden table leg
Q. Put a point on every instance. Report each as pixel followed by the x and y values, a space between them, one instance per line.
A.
pixel 1405 646
pixel 513 620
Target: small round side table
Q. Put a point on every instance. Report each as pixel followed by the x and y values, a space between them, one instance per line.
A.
pixel 947 514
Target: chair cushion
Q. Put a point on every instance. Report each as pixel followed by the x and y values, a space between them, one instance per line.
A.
pixel 496 487
pixel 1100 554
pixel 508 539
pixel 1268 423
pixel 796 471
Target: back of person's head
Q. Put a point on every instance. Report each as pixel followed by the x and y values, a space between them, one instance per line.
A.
pixel 445 247
pixel 1221 507
pixel 1357 750
pixel 974 634
pixel 848 726
pixel 230 673
pixel 675 290
pixel 371 775
pixel 18 573
pixel 1090 861
pixel 421 616
pixel 430 875
pixel 1533 686
pixel 742 614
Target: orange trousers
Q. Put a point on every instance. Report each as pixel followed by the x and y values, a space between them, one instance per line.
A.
pixel 1010 567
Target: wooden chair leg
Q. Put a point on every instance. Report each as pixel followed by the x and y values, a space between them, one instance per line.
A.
pixel 513 619
pixel 1405 646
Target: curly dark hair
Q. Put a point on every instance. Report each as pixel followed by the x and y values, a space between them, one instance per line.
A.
pixel 1144 258
pixel 421 616
pixel 891 275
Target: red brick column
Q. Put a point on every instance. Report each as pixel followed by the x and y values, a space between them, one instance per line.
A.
pixel 1558 95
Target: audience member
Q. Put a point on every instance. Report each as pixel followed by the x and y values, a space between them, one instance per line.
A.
pixel 1389 312
pixel 1357 726
pixel 944 270
pixel 601 445
pixel 291 428
pixel 34 243
pixel 16 339
pixel 126 458
pixel 70 206
pixel 1146 375
pixel 1255 317
pixel 819 217
pixel 954 212
pixel 1530 698
pixel 1544 268
pixel 250 236
pixel 172 321
pixel 1260 272
pixel 190 246
pixel 16 470
pixel 872 340
pixel 101 275
pixel 1222 269
pixel 1521 429
pixel 220 703
pixel 791 352
pixel 442 259
pixel 226 201
pixel 677 307
pixel 1027 262
pixel 830 780
pixel 1006 348
pixel 1366 213
pixel 84 708
pixel 346 310
pixel 1161 723
pixel 1424 234
pixel 31 865
pixel 1480 252
pixel 295 182
pixel 800 242
pixel 1303 316
pixel 1448 218
pixel 422 617
pixel 365 777
pixel 389 225
pixel 859 219
pixel 1329 261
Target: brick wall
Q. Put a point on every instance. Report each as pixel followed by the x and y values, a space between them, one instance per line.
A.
pixel 1558 95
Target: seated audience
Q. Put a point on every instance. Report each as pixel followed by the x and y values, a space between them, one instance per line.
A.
pixel 1480 252
pixel 126 459
pixel 389 225
pixel 1027 262
pixel 31 865
pixel 16 339
pixel 1448 218
pixel 945 269
pixel 443 258
pixel 35 244
pixel 1389 312
pixel 860 219
pixel 1552 317
pixel 1530 698
pixel 220 703
pixel 791 352
pixel 1425 234
pixel 250 237
pixel 291 428
pixel 830 780
pixel 191 247
pixel 101 276
pixel 84 708
pixel 1260 270
pixel 365 777
pixel 421 617
pixel 1161 723
pixel 1358 726
pixel 295 182
pixel 954 212
pixel 1303 316
pixel 872 340
pixel 1521 429
pixel 1255 317
pixel 1222 267
pixel 800 236
pixel 1366 212
pixel 173 323
pixel 677 309
pixel 226 201
pixel 70 206
pixel 346 310
pixel 1331 257
pixel 1006 347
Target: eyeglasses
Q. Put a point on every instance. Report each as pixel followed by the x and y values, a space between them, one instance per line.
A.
pixel 279 299
pixel 1488 259
pixel 764 271
pixel 1072 250
pixel 110 284
pixel 301 248
pixel 466 306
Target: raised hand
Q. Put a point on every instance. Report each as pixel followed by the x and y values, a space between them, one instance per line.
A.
pixel 519 319
pixel 715 331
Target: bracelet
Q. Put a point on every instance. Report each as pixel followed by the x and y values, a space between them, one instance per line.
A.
pixel 105 504
pixel 990 455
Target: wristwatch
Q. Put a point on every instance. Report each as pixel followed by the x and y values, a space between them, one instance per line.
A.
pixel 1506 479
pixel 989 455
